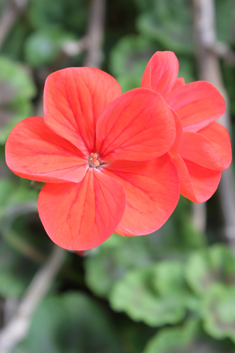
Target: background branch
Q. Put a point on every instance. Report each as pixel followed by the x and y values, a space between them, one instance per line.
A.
pixel 95 33
pixel 75 47
pixel 209 70
pixel 18 327
pixel 9 15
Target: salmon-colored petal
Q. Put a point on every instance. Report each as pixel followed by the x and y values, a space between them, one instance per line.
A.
pixel 178 83
pixel 82 216
pixel 161 72
pixel 73 100
pixel 152 189
pixel 198 149
pixel 197 183
pixel 219 137
pixel 136 126
pixel 173 151
pixel 35 152
pixel 198 104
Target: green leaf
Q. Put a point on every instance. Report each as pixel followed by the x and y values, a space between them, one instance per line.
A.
pixel 111 261
pixel 18 213
pixel 177 237
pixel 16 79
pixel 219 312
pixel 16 271
pixel 169 281
pixel 13 47
pixel 169 275
pixel 144 5
pixel 12 115
pixel 114 258
pixel 70 14
pixel 16 90
pixel 71 323
pixel 206 268
pixel 136 295
pixel 174 340
pixel 186 69
pixel 6 189
pixel 128 60
pixel 188 338
pixel 224 20
pixel 12 194
pixel 170 24
pixel 44 46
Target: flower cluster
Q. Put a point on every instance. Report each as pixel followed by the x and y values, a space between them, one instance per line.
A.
pixel 116 162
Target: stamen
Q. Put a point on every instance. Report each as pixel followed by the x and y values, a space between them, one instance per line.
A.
pixel 94 160
pixel 94 155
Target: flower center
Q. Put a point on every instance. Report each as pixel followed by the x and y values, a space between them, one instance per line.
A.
pixel 94 160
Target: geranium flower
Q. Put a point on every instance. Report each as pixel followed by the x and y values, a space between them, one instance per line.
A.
pixel 103 158
pixel 202 148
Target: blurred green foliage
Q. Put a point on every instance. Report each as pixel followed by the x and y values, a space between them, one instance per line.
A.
pixel 16 91
pixel 42 47
pixel 70 323
pixel 138 295
pixel 170 292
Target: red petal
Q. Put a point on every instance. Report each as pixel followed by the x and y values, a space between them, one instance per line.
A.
pixel 35 152
pixel 178 83
pixel 136 126
pixel 198 149
pixel 161 72
pixel 82 216
pixel 219 137
pixel 73 100
pixel 173 151
pixel 152 189
pixel 197 183
pixel 197 104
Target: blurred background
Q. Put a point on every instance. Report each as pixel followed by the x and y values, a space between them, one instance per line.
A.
pixel 169 292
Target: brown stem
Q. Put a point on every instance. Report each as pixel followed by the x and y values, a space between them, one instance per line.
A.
pixel 209 70
pixel 95 33
pixel 18 327
pixel 9 15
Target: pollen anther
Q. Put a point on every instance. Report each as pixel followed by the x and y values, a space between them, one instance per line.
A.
pixel 94 160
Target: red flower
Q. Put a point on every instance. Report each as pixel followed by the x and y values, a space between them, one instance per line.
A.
pixel 202 148
pixel 102 155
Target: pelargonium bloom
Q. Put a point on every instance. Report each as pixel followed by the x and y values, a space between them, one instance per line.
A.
pixel 102 155
pixel 202 148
